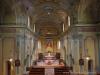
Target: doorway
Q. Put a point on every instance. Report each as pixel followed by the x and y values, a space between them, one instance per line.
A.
pixel 8 67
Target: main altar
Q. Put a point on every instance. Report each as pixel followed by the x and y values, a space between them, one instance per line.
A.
pixel 49 60
pixel 49 64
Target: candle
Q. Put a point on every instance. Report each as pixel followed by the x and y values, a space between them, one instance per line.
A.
pixel 68 20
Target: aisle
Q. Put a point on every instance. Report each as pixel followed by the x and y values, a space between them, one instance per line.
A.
pixel 49 71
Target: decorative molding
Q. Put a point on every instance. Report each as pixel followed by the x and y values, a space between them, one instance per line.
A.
pixel 17 26
pixel 98 24
pixel 87 27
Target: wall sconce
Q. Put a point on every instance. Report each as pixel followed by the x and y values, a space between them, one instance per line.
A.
pixel 10 59
pixel 87 57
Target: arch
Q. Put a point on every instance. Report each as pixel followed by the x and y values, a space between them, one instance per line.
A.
pixel 89 46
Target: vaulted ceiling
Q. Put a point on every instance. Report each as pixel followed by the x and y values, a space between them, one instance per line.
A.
pixel 48 16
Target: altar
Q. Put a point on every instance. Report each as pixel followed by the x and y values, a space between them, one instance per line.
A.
pixel 49 60
pixel 49 64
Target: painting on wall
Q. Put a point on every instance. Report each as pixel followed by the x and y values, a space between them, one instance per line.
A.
pixel 49 45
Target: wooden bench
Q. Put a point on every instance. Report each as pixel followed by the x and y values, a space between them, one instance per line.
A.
pixel 62 71
pixel 57 71
pixel 37 71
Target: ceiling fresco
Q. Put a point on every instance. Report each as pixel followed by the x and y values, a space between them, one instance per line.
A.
pixel 48 16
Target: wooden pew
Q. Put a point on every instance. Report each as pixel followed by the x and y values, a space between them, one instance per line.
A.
pixel 62 71
pixel 57 71
pixel 37 71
